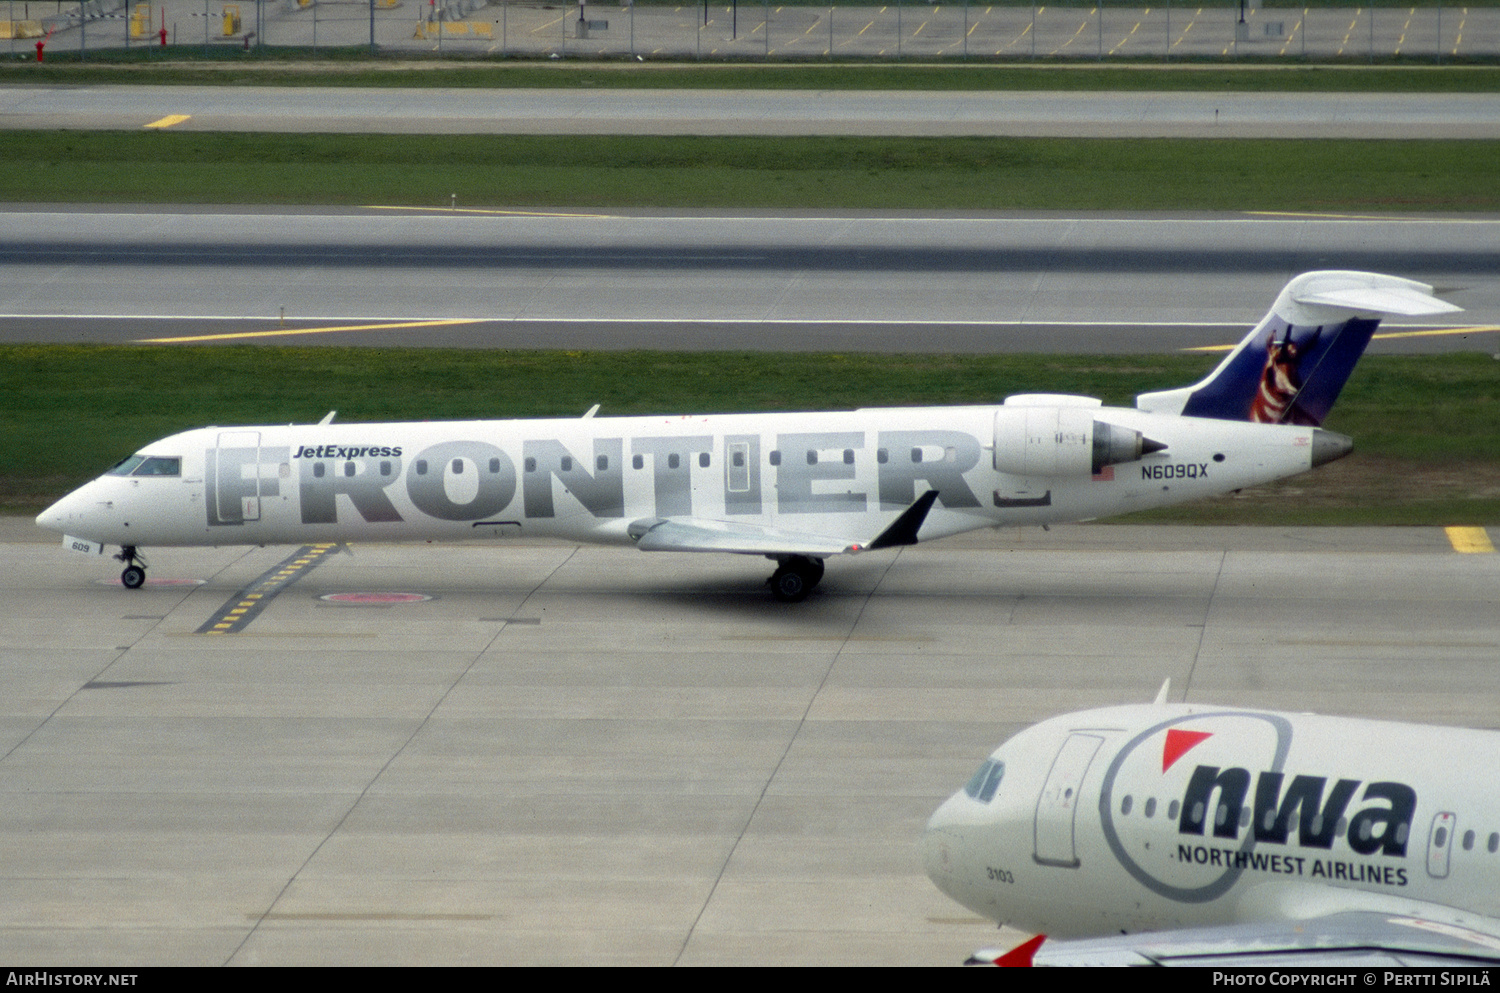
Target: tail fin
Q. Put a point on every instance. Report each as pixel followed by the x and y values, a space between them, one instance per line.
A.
pixel 1290 369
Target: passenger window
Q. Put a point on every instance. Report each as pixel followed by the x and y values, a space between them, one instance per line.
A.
pixel 703 459
pixel 674 460
pixel 494 465
pixel 1494 844
pixel 567 463
pixel 1468 841
pixel 848 456
pixel 318 470
pixel 1151 807
pixel 458 467
pixel 775 457
pixel 421 467
pixel 638 462
pixel 385 468
pixel 1125 806
pixel 348 468
pixel 602 463
pixel 882 455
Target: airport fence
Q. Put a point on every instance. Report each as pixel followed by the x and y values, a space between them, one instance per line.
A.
pixel 761 30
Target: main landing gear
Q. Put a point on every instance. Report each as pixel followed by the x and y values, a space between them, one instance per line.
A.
pixel 795 577
pixel 134 576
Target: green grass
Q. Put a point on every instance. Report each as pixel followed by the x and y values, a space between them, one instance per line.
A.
pixel 1427 428
pixel 740 172
pixel 189 65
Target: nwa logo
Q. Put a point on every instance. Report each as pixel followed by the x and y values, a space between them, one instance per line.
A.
pixel 1380 828
pixel 1237 809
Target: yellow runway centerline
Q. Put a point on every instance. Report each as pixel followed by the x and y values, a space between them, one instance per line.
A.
pixel 1432 333
pixel 1470 540
pixel 284 332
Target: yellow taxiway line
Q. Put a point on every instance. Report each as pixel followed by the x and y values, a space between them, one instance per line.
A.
pixel 1383 336
pixel 169 120
pixel 497 213
pixel 285 332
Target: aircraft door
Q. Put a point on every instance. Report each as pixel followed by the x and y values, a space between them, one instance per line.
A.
pixel 1057 807
pixel 237 476
pixel 1439 844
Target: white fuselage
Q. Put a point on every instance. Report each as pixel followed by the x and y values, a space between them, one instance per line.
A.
pixel 1152 818
pixel 842 474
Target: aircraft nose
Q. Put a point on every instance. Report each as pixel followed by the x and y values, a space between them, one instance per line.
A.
pixel 66 515
pixel 55 517
pixel 942 844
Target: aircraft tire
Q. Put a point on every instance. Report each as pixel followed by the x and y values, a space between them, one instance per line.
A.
pixel 790 585
pixel 795 578
pixel 133 578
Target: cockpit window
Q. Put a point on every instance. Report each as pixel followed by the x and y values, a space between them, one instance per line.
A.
pixel 126 466
pixel 158 465
pixel 985 781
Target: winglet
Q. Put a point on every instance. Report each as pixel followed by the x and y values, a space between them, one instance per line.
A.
pixel 903 530
pixel 1161 694
pixel 1018 957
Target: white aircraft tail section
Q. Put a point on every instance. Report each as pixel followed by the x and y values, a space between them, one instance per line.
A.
pixel 1292 366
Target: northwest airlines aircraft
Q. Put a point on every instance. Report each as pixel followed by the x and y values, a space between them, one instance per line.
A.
pixel 1187 834
pixel 796 488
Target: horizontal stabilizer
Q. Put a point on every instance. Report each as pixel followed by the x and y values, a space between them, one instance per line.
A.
pixel 1400 301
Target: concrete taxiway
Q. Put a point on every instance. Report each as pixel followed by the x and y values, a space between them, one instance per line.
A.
pixel 751 112
pixel 570 754
pixel 760 280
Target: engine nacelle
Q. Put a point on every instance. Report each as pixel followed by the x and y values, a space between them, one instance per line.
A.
pixel 1063 441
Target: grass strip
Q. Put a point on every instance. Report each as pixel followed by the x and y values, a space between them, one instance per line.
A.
pixel 749 172
pixel 1427 428
pixel 189 65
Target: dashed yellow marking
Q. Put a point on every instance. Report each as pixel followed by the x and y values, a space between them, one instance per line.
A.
pixel 1470 540
pixel 285 332
pixel 243 608
pixel 169 120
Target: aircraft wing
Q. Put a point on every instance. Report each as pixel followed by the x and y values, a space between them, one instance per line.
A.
pixel 1357 939
pixel 693 534
pixel 698 534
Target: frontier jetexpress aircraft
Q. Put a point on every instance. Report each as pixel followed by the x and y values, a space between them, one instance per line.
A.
pixel 797 488
pixel 1187 834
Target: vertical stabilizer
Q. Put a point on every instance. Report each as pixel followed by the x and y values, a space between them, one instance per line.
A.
pixel 1292 366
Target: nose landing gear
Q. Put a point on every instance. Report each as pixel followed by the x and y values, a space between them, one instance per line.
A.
pixel 134 576
pixel 795 577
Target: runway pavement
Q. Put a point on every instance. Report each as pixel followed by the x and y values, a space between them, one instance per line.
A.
pixel 580 755
pixel 751 112
pixel 708 280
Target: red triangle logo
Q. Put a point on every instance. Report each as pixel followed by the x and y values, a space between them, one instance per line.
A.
pixel 1178 744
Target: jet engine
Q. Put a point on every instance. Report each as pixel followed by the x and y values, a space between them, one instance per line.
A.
pixel 1063 441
